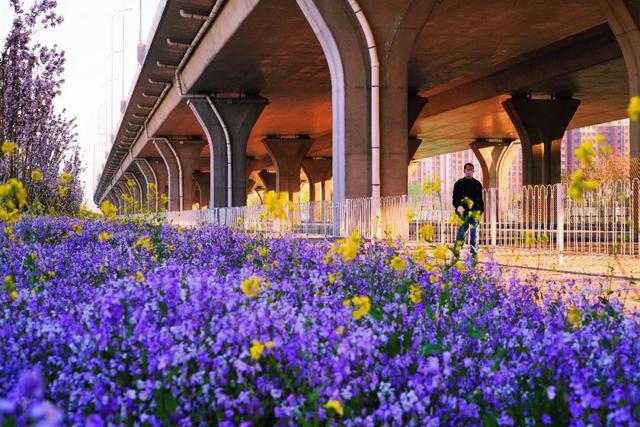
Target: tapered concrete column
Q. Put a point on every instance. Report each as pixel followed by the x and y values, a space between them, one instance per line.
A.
pixel 318 171
pixel 287 155
pixel 161 174
pixel 124 189
pixel 541 124
pixel 204 181
pixel 174 174
pixel 228 122
pixel 269 180
pixel 116 198
pixel 150 177
pixel 623 17
pixel 495 159
pixel 138 191
pixel 395 25
pixel 181 158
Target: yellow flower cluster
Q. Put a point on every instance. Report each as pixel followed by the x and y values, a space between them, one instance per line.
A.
pixel 362 306
pixel 10 287
pixel 108 209
pixel 634 109
pixel 440 253
pixel 104 236
pixel 336 406
pixel 277 205
pixel 9 148
pixel 65 178
pixel 257 348
pixel 251 286
pixel 346 248
pixel 62 190
pixel 13 197
pixel 398 264
pixel 131 183
pixel 36 175
pixel 425 233
pixel 144 242
pixel 410 214
pixel 431 186
pixel 415 293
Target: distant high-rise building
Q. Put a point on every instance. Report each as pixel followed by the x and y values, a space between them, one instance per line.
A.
pixel 449 167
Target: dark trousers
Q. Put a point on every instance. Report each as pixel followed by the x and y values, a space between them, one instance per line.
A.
pixel 469 222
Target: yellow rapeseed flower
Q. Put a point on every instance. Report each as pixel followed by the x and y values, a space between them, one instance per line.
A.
pixel 440 253
pixel 13 295
pixel 333 276
pixel 415 293
pixel 65 177
pixel 104 236
pixel 634 109
pixel 410 214
pixel 108 209
pixel 62 190
pixel 36 175
pixel 585 153
pixel 9 148
pixel 425 233
pixel 336 406
pixel 575 317
pixel 251 286
pixel 362 306
pixel 144 242
pixel 398 264
pixel 256 349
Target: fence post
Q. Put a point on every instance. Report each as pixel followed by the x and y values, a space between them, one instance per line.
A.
pixel 560 217
pixel 493 216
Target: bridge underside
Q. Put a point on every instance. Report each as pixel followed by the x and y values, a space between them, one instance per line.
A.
pixel 468 58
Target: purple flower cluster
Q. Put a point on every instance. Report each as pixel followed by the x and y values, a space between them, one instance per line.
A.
pixel 136 323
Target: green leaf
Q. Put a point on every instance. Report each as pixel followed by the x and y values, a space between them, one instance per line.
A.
pixel 430 349
pixel 163 308
pixel 393 346
pixel 376 312
pixel 489 420
pixel 474 333
pixel 166 404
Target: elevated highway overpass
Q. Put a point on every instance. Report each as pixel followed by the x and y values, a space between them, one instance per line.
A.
pixel 231 89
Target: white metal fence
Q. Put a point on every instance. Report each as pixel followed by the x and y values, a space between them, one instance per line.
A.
pixel 540 217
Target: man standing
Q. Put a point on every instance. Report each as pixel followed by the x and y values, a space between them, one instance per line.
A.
pixel 467 200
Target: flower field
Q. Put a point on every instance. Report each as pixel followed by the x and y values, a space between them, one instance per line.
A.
pixel 106 323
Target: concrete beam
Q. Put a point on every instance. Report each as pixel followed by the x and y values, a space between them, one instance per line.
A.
pixel 581 51
pixel 174 174
pixel 541 124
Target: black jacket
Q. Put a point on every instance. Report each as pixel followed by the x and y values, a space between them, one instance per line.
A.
pixel 471 188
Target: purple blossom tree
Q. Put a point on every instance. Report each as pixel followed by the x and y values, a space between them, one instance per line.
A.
pixel 45 140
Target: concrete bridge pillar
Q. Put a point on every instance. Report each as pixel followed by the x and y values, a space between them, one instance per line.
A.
pixel 124 189
pixel 269 180
pixel 148 177
pixel 623 17
pixel 318 171
pixel 495 159
pixel 203 179
pixel 181 159
pixel 161 174
pixel 541 124
pixel 395 26
pixel 115 195
pixel 228 121
pixel 287 155
pixel 139 189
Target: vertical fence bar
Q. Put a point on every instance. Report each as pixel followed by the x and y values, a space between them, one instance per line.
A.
pixel 560 218
pixel 493 209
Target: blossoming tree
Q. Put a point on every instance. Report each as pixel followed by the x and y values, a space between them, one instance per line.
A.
pixel 37 144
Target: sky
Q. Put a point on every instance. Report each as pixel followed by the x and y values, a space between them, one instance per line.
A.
pixel 91 31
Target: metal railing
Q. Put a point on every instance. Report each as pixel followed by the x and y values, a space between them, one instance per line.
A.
pixel 540 217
